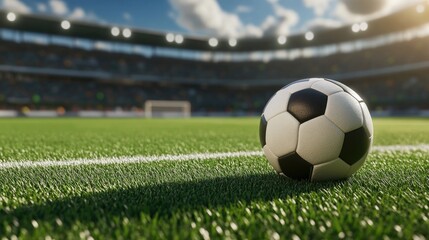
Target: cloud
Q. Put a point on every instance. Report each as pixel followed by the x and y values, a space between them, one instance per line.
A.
pixel 319 6
pixel 77 13
pixel 58 7
pixel 318 24
pixel 243 9
pixel 281 23
pixel 92 17
pixel 80 14
pixel 127 16
pixel 41 7
pixel 15 5
pixel 393 5
pixel 253 31
pixel 206 16
pixel 268 22
pixel 349 11
pixel 343 14
pixel 364 7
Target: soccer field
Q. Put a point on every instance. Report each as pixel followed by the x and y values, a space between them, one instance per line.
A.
pixel 200 178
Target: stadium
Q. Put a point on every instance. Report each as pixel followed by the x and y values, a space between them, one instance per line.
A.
pixel 113 131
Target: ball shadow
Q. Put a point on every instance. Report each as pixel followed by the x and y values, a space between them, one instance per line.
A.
pixel 162 200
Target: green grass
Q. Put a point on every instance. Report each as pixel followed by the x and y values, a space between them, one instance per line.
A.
pixel 229 198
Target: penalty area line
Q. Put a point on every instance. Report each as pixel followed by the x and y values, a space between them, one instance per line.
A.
pixel 180 157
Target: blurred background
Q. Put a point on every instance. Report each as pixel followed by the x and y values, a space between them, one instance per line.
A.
pixel 206 57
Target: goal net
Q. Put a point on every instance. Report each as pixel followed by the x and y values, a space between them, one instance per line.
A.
pixel 167 109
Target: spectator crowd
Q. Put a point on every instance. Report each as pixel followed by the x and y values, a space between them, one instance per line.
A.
pixel 406 90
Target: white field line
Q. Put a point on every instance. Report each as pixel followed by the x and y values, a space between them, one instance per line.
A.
pixel 127 159
pixel 181 157
pixel 401 148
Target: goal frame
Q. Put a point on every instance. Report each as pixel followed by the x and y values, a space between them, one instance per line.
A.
pixel 149 105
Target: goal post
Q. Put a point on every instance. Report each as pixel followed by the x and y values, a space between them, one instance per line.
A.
pixel 167 109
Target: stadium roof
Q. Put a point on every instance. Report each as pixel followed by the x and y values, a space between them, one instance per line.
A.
pixel 399 21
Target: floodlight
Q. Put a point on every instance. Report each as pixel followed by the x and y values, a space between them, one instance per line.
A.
pixel 213 42
pixel 309 36
pixel 282 40
pixel 178 39
pixel 356 27
pixel 169 37
pixel 126 32
pixel 232 42
pixel 115 31
pixel 420 8
pixel 65 25
pixel 11 17
pixel 363 26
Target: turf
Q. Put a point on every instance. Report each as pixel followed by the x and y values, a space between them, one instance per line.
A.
pixel 229 198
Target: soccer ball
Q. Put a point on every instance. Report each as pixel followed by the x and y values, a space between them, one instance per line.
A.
pixel 316 129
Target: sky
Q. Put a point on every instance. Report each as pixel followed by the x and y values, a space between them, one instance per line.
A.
pixel 215 18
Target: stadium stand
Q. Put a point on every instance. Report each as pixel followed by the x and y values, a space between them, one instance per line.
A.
pixel 392 77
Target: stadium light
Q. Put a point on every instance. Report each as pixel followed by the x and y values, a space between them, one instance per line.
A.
pixel 11 17
pixel 169 37
pixel 213 42
pixel 126 32
pixel 420 8
pixel 309 36
pixel 282 40
pixel 178 39
pixel 115 31
pixel 232 42
pixel 356 27
pixel 363 26
pixel 65 25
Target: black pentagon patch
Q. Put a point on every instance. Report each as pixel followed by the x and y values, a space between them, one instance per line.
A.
pixel 262 130
pixel 303 80
pixel 356 144
pixel 307 104
pixel 295 167
pixel 346 89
